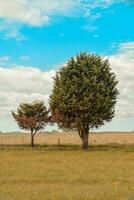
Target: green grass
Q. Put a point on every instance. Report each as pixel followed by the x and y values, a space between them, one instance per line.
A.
pixel 67 173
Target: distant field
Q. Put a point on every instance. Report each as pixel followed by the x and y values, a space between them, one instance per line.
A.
pixel 67 173
pixel 68 138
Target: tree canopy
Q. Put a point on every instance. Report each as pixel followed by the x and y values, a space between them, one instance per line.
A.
pixel 84 94
pixel 32 117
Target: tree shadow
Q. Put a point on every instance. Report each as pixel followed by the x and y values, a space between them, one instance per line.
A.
pixel 69 147
pixel 107 147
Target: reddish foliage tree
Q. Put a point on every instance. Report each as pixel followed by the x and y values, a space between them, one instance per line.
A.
pixel 32 117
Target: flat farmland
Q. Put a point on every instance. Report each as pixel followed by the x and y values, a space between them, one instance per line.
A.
pixel 68 138
pixel 67 173
pixel 52 172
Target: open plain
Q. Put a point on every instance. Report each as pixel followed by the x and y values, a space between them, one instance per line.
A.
pixel 65 172
pixel 105 172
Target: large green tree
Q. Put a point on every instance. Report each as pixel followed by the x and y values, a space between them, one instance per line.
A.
pixel 32 117
pixel 84 94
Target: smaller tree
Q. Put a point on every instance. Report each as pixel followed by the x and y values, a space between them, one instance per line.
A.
pixel 32 117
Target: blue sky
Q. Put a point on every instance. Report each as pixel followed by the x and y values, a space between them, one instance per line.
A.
pixel 68 35
pixel 39 36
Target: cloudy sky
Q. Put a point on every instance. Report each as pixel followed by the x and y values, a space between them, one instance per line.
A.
pixel 38 36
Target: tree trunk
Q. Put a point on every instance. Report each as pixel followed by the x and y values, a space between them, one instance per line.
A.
pixel 84 134
pixel 85 140
pixel 32 140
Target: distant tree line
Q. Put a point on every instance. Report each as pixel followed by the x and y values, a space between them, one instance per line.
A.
pixel 84 96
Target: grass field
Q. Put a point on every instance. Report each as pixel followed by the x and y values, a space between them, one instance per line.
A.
pixel 67 173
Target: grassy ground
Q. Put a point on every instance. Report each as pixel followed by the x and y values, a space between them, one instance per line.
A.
pixel 67 173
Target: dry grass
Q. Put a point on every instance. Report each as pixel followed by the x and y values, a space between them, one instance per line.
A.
pixel 69 138
pixel 49 173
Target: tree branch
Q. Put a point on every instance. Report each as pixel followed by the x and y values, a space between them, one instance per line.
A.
pixel 80 133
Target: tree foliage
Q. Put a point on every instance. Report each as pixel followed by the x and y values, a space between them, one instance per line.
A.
pixel 32 117
pixel 84 94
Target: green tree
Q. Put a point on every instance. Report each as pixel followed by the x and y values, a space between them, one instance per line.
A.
pixel 84 95
pixel 32 117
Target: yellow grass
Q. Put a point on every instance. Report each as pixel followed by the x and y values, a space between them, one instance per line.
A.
pixel 67 173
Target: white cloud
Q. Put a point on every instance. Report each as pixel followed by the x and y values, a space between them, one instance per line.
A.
pixel 20 11
pixel 21 84
pixel 15 34
pixel 17 13
pixel 32 80
pixel 11 30
pixel 4 60
pixel 90 28
pixel 127 47
pixel 123 65
pixel 40 12
pixel 25 57
pixel 35 12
